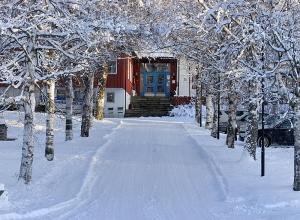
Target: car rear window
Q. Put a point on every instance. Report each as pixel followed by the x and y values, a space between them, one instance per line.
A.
pixel 286 124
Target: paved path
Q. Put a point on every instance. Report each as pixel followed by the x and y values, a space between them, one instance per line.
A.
pixel 150 170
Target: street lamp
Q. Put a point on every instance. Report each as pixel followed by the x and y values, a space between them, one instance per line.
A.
pixel 262 117
pixel 263 132
pixel 200 110
pixel 219 94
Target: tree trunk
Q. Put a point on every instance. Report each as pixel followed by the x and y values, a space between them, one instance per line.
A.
pixel 69 108
pixel 28 142
pixel 214 129
pixel 275 108
pixel 87 105
pixel 296 108
pixel 231 127
pixel 198 106
pixel 209 111
pixel 49 150
pixel 100 95
pixel 281 87
pixel 252 123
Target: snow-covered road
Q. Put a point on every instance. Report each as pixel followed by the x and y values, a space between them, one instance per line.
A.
pixel 150 170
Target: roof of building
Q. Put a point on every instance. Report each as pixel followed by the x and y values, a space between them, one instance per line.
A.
pixel 154 54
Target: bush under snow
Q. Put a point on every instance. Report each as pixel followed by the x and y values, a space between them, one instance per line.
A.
pixel 4 204
pixel 183 111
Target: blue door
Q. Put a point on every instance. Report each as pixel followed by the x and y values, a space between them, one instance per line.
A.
pixel 149 83
pixel 156 83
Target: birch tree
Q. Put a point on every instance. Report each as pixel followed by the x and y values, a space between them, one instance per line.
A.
pixel 199 89
pixel 28 29
pixel 49 150
pixel 87 107
pixel 232 107
pixel 69 107
pixel 209 107
pixel 287 43
pixel 101 93
pixel 28 143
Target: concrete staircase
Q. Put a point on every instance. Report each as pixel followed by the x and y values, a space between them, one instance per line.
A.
pixel 155 106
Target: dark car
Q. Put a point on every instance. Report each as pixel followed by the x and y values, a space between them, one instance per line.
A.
pixel 282 133
pixel 242 124
pixel 223 116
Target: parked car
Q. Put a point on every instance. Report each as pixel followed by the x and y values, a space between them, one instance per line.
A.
pixel 240 119
pixel 277 131
pixel 269 120
pixel 223 117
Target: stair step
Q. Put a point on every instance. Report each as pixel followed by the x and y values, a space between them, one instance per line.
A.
pixel 149 106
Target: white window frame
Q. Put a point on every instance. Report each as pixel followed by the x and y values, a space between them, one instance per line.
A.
pixel 116 63
pixel 114 97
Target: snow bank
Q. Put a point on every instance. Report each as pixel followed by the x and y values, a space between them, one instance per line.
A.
pixel 57 182
pixel 186 113
pixel 78 172
pixel 249 195
pixel 183 111
pixel 4 204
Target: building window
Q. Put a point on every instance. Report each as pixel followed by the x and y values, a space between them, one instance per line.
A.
pixel 110 111
pixel 110 97
pixel 78 96
pixel 112 67
pixel 60 95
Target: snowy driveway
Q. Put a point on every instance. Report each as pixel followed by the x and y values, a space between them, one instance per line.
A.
pixel 150 170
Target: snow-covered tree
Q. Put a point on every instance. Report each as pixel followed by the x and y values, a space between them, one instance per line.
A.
pixel 286 43
pixel 32 32
pixel 101 92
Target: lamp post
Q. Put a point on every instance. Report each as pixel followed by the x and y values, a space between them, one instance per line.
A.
pixel 218 126
pixel 263 132
pixel 200 110
pixel 125 85
pixel 262 116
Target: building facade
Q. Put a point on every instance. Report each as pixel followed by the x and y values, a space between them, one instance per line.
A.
pixel 146 75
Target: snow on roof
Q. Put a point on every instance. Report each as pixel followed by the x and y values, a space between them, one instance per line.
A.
pixel 156 54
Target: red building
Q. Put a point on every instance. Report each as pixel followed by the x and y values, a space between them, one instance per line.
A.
pixel 144 76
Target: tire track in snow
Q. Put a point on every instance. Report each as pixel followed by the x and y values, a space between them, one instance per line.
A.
pixel 217 173
pixel 81 197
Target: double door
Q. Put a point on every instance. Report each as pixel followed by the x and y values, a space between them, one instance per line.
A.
pixel 155 84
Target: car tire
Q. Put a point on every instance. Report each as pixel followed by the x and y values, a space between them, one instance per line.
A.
pixel 267 141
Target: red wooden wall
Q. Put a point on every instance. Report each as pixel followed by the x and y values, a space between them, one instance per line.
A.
pixel 120 80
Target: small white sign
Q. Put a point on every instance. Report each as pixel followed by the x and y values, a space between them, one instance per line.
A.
pixel 1 186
